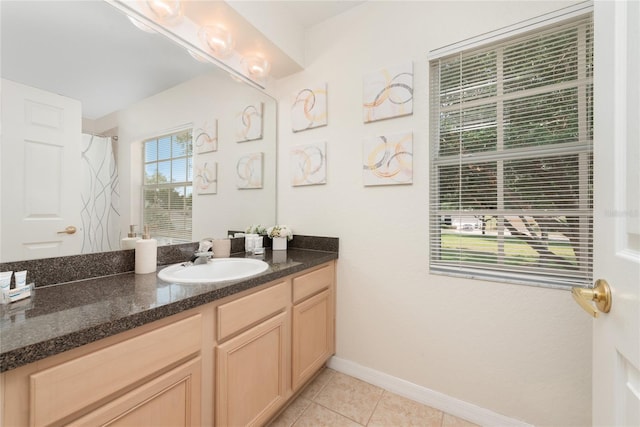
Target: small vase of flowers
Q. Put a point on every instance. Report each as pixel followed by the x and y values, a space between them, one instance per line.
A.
pixel 280 234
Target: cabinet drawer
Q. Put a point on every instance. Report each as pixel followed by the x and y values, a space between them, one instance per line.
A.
pixel 172 399
pixel 312 283
pixel 241 313
pixel 60 391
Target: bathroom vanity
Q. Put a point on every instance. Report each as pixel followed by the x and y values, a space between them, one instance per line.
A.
pixel 134 350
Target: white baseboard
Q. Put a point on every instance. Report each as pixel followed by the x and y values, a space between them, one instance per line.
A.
pixel 448 404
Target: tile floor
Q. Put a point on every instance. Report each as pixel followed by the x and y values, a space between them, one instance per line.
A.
pixel 336 399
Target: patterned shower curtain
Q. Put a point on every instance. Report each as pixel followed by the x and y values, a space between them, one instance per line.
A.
pixel 100 195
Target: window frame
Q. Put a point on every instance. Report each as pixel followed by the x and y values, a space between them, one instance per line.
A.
pixel 583 149
pixel 163 234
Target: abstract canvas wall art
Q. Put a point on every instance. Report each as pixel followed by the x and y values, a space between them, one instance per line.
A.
pixel 205 177
pixel 249 171
pixel 388 93
pixel 205 137
pixel 388 159
pixel 248 123
pixel 308 164
pixel 309 108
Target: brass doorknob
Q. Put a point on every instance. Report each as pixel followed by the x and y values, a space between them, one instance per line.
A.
pixel 600 294
pixel 69 230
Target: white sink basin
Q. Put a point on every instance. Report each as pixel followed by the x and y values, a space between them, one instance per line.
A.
pixel 216 270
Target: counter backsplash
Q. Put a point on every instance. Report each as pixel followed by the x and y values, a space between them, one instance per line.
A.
pixel 50 271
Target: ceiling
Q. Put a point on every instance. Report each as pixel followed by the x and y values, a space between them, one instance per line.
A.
pixel 312 12
pixel 80 49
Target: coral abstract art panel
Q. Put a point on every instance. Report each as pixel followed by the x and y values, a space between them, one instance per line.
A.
pixel 249 171
pixel 206 176
pixel 205 137
pixel 388 93
pixel 309 108
pixel 308 164
pixel 388 159
pixel 248 123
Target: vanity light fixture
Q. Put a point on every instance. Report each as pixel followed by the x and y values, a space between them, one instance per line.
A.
pixel 197 56
pixel 256 65
pixel 217 39
pixel 167 11
pixel 140 25
pixel 235 78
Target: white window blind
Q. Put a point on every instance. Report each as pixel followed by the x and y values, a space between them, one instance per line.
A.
pixel 511 158
pixel 167 189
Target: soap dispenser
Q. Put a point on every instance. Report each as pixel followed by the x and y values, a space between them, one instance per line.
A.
pixel 129 242
pixel 146 253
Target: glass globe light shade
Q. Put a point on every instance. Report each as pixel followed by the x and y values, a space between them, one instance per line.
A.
pixel 256 65
pixel 217 39
pixel 167 11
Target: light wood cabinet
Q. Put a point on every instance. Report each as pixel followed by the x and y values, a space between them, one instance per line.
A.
pixel 313 323
pixel 253 357
pixel 134 378
pixel 252 374
pixel 246 311
pixel 312 337
pixel 171 400
pixel 62 390
pixel 286 334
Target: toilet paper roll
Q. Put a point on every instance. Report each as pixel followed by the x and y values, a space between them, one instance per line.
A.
pixel 221 248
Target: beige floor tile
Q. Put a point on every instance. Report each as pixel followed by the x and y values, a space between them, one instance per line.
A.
pixel 451 421
pixel 317 416
pixel 350 397
pixel 292 413
pixel 333 399
pixel 317 384
pixel 394 410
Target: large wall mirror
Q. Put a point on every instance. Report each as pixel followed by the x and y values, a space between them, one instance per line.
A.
pixel 81 75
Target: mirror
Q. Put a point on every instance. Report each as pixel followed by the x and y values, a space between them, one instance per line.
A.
pixel 132 86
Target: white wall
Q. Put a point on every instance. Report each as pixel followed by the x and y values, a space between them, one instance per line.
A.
pixel 519 351
pixel 190 104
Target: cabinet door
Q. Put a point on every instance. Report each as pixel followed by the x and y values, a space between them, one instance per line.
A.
pixel 171 400
pixel 312 336
pixel 252 374
pixel 63 390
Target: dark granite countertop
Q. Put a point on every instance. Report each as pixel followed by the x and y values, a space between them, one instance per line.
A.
pixel 66 316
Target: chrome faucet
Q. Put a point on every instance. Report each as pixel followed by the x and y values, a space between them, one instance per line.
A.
pixel 203 253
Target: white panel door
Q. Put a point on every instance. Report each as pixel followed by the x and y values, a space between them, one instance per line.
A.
pixel 41 134
pixel 616 335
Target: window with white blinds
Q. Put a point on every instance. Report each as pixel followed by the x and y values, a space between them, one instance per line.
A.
pixel 167 190
pixel 511 159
